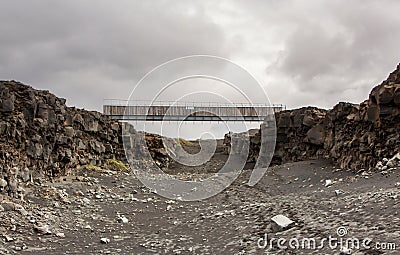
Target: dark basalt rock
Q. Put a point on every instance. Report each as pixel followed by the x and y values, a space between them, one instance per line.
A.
pixel 40 135
pixel 354 136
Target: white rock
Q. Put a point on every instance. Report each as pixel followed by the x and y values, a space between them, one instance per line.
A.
pixel 328 183
pixel 281 222
pixel 8 239
pixel 394 161
pixel 390 164
pixel 86 200
pixel 123 219
pixel 104 240
pixel 43 229
pixel 338 192
pixel 385 160
pixel 61 235
pixel 3 183
pixel 169 207
pixel 396 157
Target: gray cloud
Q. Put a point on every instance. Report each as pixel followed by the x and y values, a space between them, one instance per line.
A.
pixel 315 52
pixel 303 52
pixel 96 47
pixel 340 51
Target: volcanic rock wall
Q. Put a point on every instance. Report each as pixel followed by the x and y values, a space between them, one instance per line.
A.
pixel 361 135
pixel 38 132
pixel 354 136
pixel 40 135
pixel 298 135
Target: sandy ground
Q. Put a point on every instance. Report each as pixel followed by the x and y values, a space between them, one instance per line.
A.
pixel 72 215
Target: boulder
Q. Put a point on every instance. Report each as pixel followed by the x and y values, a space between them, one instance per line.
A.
pixel 7 105
pixel 281 222
pixel 385 95
pixel 316 135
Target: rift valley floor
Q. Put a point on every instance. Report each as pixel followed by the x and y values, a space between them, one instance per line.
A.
pixel 105 212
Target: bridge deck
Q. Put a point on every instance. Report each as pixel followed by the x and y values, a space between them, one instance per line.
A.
pixel 190 112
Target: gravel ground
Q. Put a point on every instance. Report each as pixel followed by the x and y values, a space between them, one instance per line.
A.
pixel 103 212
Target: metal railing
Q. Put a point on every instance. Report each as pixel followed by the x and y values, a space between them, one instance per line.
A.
pixel 190 111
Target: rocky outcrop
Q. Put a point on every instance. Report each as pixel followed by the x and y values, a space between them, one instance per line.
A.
pixel 299 135
pixel 360 135
pixel 354 136
pixel 40 135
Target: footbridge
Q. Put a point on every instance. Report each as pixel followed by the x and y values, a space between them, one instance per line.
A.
pixel 187 111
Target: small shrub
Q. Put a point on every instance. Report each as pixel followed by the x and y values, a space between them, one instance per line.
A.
pixel 117 165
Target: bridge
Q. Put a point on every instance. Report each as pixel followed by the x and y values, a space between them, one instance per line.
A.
pixel 187 111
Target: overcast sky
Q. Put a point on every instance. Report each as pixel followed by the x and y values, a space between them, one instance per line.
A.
pixel 303 52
